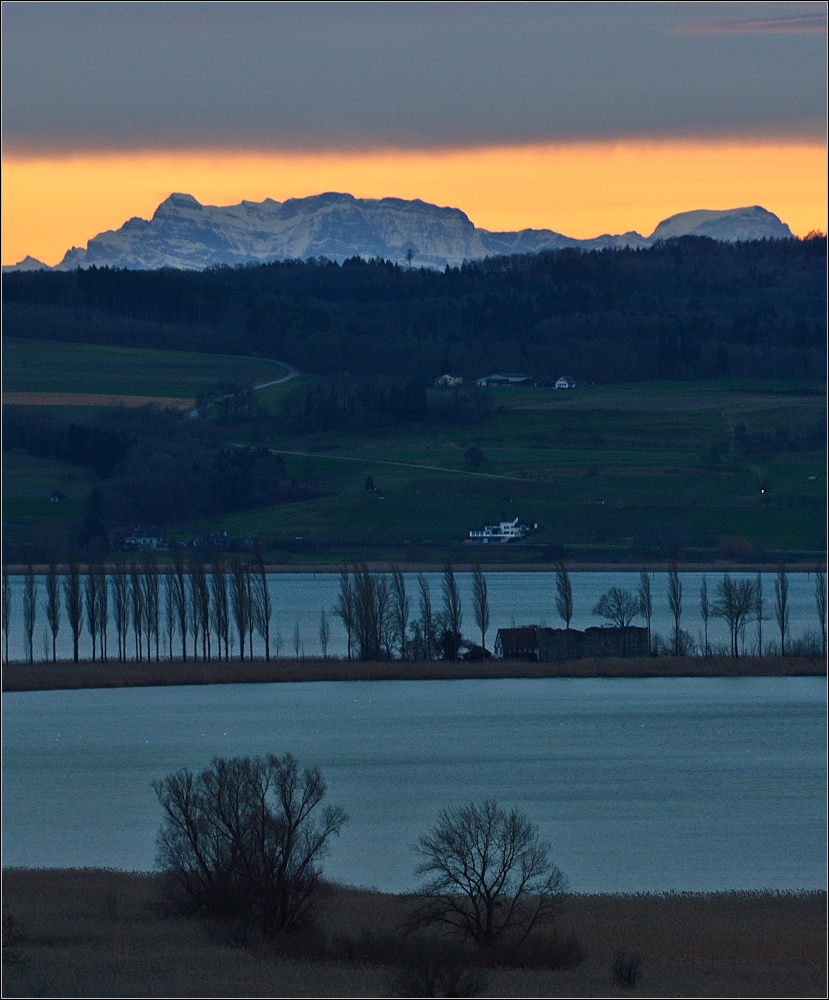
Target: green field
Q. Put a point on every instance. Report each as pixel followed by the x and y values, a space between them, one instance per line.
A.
pixel 695 470
pixel 46 367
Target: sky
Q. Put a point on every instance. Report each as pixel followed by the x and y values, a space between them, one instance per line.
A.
pixel 584 118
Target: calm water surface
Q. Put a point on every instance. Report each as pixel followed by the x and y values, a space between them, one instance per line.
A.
pixel 658 784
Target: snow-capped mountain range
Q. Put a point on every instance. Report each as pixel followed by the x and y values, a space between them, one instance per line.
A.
pixel 184 234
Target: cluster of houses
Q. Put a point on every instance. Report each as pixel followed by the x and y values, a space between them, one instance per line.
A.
pixel 153 540
pixel 506 379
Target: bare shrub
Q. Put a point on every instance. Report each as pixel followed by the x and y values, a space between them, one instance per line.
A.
pixel 627 968
pixel 440 969
pixel 13 940
pixel 243 841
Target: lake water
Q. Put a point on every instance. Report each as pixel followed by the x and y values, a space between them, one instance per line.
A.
pixel 515 599
pixel 640 785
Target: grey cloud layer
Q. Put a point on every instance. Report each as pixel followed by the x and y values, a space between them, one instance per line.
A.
pixel 292 76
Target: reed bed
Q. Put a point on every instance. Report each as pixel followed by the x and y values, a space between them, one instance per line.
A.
pixel 106 933
pixel 68 675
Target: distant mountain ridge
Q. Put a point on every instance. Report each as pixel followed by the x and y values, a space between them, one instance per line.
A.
pixel 187 235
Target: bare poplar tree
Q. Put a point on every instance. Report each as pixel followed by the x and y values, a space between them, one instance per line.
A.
pixel 262 599
pixel 220 609
pixel 179 581
pixel 759 611
pixel 92 607
pixel 480 603
pixel 297 640
pixel 121 606
pixel 400 609
pixel 368 624
pixel 452 613
pixel 251 607
pixel 102 597
pixel 7 609
pixel 564 595
pixel 344 608
pixel 734 604
pixel 52 606
pixel 325 633
pixel 193 616
pixel 73 599
pixel 781 604
pixel 201 606
pixel 239 601
pixel 427 618
pixel 152 604
pixel 169 609
pixel 646 603
pixel 820 601
pixel 137 610
pixel 705 611
pixel 29 611
pixel 675 604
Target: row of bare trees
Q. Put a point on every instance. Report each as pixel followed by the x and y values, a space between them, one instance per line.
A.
pixel 739 603
pixel 381 624
pixel 185 607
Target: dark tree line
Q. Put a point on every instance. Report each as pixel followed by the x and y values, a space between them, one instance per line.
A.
pixel 686 308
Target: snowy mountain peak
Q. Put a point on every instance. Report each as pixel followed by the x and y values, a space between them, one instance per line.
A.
pixel 185 234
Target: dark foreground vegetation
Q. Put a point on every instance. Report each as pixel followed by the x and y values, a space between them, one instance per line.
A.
pixel 65 675
pixel 105 933
pixel 688 308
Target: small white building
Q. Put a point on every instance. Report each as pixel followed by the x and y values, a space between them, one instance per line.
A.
pixel 448 381
pixel 565 382
pixel 504 531
pixel 503 378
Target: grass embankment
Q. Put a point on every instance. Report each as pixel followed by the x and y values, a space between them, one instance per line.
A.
pixel 68 676
pixel 104 933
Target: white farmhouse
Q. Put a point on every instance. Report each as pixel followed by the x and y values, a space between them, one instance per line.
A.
pixel 504 531
pixel 448 381
pixel 565 382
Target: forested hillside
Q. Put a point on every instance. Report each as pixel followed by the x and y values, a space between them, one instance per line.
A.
pixel 688 308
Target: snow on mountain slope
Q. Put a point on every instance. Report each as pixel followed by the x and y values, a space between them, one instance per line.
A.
pixel 185 234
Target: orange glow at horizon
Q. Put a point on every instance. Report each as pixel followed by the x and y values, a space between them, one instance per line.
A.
pixel 579 189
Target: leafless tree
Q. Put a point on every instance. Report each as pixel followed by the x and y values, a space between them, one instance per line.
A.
pixel 92 607
pixel 400 609
pixel 137 610
pixel 705 611
pixel 617 606
pixel 820 601
pixel 426 625
pixel 646 602
pixel 759 611
pixel 675 604
pixel 221 614
pixel 489 875
pixel 102 597
pixel 179 582
pixel 239 601
pixel 564 595
pixel 249 597
pixel 344 609
pixel 73 599
pixel 480 602
pixel 202 607
pixel 452 613
pixel 7 610
pixel 734 604
pixel 325 633
pixel 244 840
pixel 781 604
pixel 152 605
pixel 29 611
pixel 371 612
pixel 169 609
pixel 121 606
pixel 262 599
pixel 52 606
pixel 193 611
pixel 297 640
